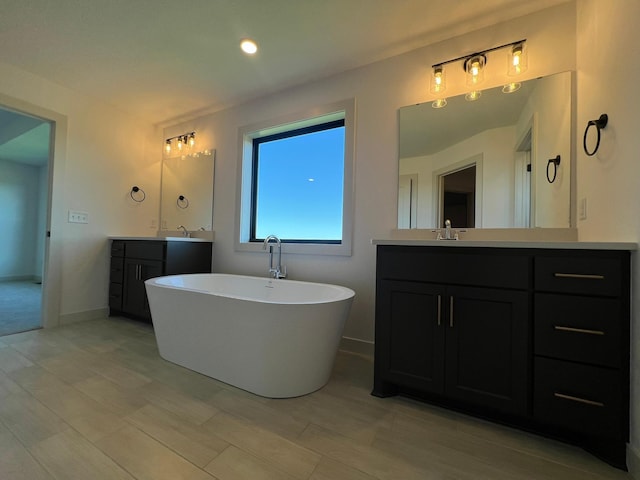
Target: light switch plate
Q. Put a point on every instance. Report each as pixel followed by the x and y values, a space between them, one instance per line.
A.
pixel 78 217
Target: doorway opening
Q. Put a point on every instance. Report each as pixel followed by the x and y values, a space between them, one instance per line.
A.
pixel 458 197
pixel 25 152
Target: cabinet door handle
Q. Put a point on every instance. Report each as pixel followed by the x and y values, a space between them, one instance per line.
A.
pixel 578 399
pixel 584 276
pixel 451 311
pixel 578 330
pixel 439 309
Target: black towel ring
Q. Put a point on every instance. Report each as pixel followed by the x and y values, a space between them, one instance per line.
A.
pixel 555 162
pixel 182 202
pixel 600 123
pixel 135 189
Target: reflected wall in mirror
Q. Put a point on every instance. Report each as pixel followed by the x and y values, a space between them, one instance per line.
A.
pixel 187 191
pixel 508 139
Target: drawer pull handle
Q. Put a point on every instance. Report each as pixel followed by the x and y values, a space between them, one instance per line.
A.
pixel 585 276
pixel 439 309
pixel 578 399
pixel 578 330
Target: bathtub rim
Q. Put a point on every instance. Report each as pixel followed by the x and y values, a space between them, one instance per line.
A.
pixel 346 293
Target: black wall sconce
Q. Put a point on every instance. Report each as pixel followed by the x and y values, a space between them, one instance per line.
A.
pixel 137 194
pixel 600 123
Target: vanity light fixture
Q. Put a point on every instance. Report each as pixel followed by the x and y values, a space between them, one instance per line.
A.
pixel 474 66
pixel 183 142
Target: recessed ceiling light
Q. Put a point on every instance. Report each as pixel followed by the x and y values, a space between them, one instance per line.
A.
pixel 248 46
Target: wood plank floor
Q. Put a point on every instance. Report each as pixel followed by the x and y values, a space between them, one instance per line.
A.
pixel 95 401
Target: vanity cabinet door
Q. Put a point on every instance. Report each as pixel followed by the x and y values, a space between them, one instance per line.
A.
pixel 487 348
pixel 134 300
pixel 410 335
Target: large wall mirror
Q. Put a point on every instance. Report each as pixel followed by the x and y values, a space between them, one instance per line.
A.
pixel 489 163
pixel 187 191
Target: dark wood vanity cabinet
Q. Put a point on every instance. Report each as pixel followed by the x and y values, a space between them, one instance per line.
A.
pixel 441 330
pixel 134 261
pixel 534 337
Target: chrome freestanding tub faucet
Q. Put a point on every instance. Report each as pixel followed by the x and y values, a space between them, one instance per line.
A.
pixel 277 271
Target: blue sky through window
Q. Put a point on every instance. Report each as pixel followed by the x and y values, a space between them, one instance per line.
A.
pixel 300 186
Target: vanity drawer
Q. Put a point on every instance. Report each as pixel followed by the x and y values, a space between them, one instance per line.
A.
pixel 580 398
pixel 117 248
pixel 464 266
pixel 146 249
pixel 115 296
pixel 117 269
pixel 582 329
pixel 581 274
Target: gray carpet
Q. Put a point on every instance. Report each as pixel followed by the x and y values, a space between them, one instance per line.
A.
pixel 20 304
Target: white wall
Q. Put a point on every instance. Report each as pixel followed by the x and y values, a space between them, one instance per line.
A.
pixel 379 89
pixel 101 153
pixel 19 202
pixel 608 76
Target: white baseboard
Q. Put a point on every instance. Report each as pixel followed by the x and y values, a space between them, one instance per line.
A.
pixel 17 278
pixel 633 462
pixel 355 345
pixel 83 316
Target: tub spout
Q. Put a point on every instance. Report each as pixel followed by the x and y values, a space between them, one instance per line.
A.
pixel 277 271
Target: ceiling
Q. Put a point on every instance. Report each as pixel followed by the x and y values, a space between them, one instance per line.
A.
pixel 162 60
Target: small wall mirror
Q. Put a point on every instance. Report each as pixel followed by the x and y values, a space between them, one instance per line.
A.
pixel 187 191
pixel 485 164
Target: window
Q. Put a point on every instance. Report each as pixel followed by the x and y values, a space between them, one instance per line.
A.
pixel 296 183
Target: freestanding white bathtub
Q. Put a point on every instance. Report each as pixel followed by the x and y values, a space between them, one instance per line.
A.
pixel 274 338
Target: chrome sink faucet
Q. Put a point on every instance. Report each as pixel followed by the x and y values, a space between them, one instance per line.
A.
pixel 277 271
pixel 185 232
pixel 449 233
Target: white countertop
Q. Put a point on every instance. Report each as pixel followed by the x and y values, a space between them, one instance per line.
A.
pixel 571 245
pixel 162 239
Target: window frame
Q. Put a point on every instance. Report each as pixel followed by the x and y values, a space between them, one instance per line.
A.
pixel 244 235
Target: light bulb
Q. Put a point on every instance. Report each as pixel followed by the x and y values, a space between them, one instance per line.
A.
pixel 474 66
pixel 167 147
pixel 438 84
pixel 517 60
pixel 248 46
pixel 179 144
pixel 192 140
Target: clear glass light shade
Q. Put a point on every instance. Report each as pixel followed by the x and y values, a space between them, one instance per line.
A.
pixel 167 147
pixel 511 87
pixel 438 81
pixel 517 60
pixel 439 103
pixel 474 66
pixel 192 140
pixel 473 96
